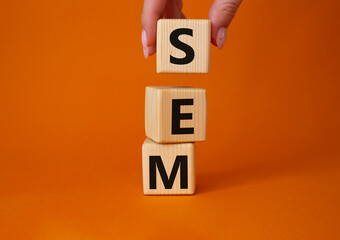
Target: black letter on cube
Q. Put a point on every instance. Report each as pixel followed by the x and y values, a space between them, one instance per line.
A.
pixel 190 54
pixel 177 116
pixel 156 161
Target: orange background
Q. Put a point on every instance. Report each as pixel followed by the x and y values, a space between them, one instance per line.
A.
pixel 72 82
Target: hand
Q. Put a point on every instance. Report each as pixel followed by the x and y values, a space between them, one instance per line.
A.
pixel 221 13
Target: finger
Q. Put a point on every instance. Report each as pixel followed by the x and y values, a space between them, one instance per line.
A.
pixel 152 11
pixel 179 4
pixel 221 13
pixel 152 49
pixel 173 9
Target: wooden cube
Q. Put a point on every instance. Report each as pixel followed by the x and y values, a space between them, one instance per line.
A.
pixel 175 114
pixel 183 45
pixel 168 169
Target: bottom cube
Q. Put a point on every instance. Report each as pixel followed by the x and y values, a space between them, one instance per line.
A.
pixel 168 169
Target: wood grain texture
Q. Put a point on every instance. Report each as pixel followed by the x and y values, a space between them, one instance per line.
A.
pixel 158 113
pixel 168 153
pixel 200 42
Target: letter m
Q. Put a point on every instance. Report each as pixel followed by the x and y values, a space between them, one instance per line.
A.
pixel 156 161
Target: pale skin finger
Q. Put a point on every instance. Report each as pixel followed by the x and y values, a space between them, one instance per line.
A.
pixel 152 11
pixel 221 13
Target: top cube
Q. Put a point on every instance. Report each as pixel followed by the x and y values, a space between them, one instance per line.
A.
pixel 183 45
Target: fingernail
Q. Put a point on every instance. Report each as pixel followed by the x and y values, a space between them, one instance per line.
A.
pixel 145 44
pixel 146 52
pixel 144 39
pixel 220 38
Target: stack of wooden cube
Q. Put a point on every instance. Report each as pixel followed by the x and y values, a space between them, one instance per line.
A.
pixel 176 117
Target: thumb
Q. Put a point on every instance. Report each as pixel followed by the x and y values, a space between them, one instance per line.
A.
pixel 152 11
pixel 221 13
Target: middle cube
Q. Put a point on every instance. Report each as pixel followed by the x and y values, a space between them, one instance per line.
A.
pixel 175 114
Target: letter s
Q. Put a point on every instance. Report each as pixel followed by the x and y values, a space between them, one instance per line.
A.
pixel 190 54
